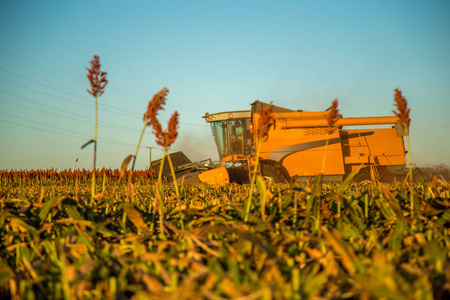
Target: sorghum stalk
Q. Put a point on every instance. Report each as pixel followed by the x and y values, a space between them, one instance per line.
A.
pixel 402 113
pixel 176 189
pixel 332 118
pixel 265 121
pixel 252 184
pixel 97 79
pixel 139 144
pixel 164 138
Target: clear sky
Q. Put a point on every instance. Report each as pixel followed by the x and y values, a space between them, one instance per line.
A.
pixel 213 56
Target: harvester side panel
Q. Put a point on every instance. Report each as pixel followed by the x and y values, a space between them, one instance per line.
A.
pixel 301 150
pixel 381 147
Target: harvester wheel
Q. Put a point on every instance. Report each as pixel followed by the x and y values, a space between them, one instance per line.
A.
pixel 274 170
pixel 238 175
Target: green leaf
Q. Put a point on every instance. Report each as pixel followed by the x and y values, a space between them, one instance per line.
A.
pixel 343 186
pixel 261 186
pixel 24 224
pixel 312 198
pixel 444 218
pixel 393 203
pixel 135 217
pixel 45 209
pixel 6 273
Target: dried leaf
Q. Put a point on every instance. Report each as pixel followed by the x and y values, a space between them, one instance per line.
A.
pixel 135 217
pixel 124 166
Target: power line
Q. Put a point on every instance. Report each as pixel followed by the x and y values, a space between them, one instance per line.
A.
pixel 60 158
pixel 44 93
pixel 87 119
pixel 102 124
pixel 66 100
pixel 108 107
pixel 41 66
pixel 67 75
pixel 82 135
pixel 38 103
pixel 121 111
pixel 76 78
pixel 65 117
pixel 107 141
pixel 40 123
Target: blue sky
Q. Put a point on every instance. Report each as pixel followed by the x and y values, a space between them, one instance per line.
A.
pixel 213 56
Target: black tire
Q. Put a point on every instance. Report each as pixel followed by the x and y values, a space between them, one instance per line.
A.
pixel 274 170
pixel 238 175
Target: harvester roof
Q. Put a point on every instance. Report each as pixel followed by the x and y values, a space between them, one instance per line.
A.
pixel 221 116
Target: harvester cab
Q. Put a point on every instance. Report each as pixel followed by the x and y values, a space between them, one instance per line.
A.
pixel 232 133
pixel 233 137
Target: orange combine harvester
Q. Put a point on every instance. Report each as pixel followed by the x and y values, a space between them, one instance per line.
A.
pixel 296 143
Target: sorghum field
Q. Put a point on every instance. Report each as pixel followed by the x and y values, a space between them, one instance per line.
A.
pixel 365 240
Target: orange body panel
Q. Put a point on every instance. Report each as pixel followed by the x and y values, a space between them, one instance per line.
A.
pixel 381 147
pixel 301 150
pixel 217 176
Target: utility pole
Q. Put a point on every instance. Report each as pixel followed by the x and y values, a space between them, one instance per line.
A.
pixel 150 157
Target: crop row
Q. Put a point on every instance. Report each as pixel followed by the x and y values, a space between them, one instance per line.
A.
pixel 301 241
